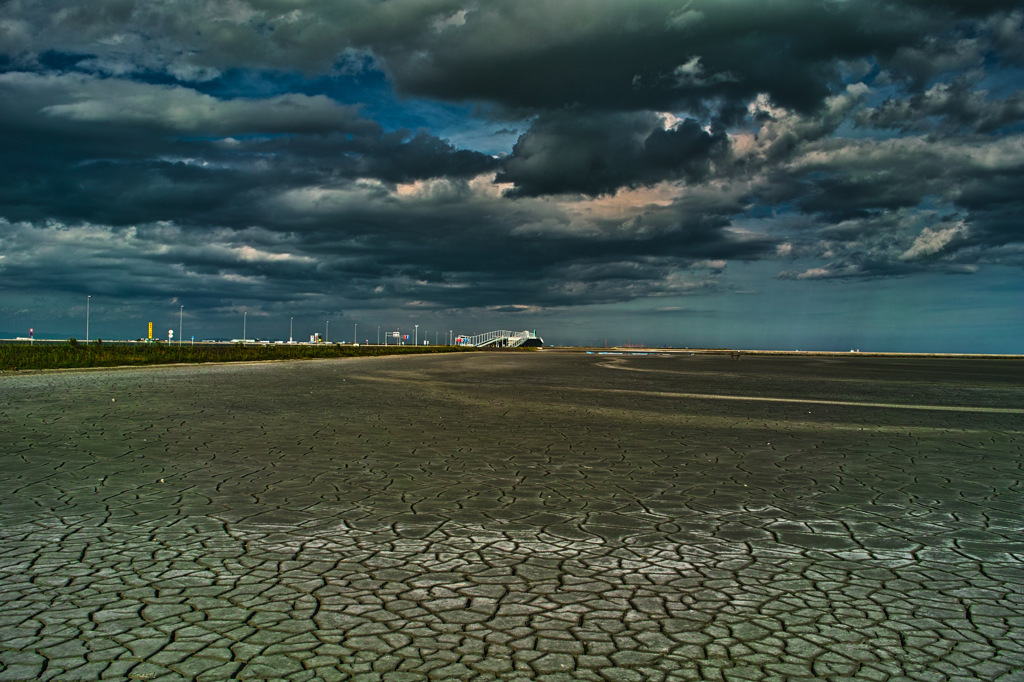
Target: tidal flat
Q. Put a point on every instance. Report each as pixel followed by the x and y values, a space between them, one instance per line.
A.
pixel 547 515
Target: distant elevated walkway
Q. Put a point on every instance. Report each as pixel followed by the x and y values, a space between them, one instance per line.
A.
pixel 501 338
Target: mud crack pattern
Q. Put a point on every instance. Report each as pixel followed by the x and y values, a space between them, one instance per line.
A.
pixel 513 516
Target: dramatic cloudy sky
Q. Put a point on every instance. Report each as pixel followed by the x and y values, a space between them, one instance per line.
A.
pixel 806 174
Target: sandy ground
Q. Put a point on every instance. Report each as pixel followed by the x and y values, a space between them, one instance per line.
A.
pixel 515 516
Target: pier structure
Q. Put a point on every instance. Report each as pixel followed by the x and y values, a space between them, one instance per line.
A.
pixel 501 338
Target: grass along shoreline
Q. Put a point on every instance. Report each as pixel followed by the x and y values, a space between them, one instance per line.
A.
pixel 75 355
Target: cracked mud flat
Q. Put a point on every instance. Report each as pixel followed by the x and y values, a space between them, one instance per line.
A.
pixel 515 516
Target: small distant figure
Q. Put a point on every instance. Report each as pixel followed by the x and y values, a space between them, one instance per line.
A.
pixel 735 355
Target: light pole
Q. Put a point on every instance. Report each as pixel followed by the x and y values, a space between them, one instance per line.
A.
pixel 244 314
pixel 327 333
pixel 435 338
pixel 378 334
pixel 355 335
pixel 87 318
pixel 416 336
pixel 290 323
pixel 449 337
pixel 180 313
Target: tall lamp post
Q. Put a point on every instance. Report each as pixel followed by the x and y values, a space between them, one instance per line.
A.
pixel 181 311
pixel 244 314
pixel 327 333
pixel 355 335
pixel 416 336
pixel 290 323
pixel 87 298
pixel 378 334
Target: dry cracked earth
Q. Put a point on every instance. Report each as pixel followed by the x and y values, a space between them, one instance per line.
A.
pixel 549 516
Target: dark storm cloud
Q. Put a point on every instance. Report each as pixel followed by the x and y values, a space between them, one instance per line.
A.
pixel 660 142
pixel 653 54
pixel 661 55
pixel 890 208
pixel 899 208
pixel 441 249
pixel 397 156
pixel 90 149
pixel 445 247
pixel 598 153
pixel 956 105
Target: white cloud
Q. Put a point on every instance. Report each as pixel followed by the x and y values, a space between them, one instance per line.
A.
pixel 815 273
pixel 253 255
pixel 931 241
pixel 87 99
pixel 450 21
pixel 829 272
pixel 183 110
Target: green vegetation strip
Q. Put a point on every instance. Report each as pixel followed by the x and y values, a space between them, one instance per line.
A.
pixel 74 354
